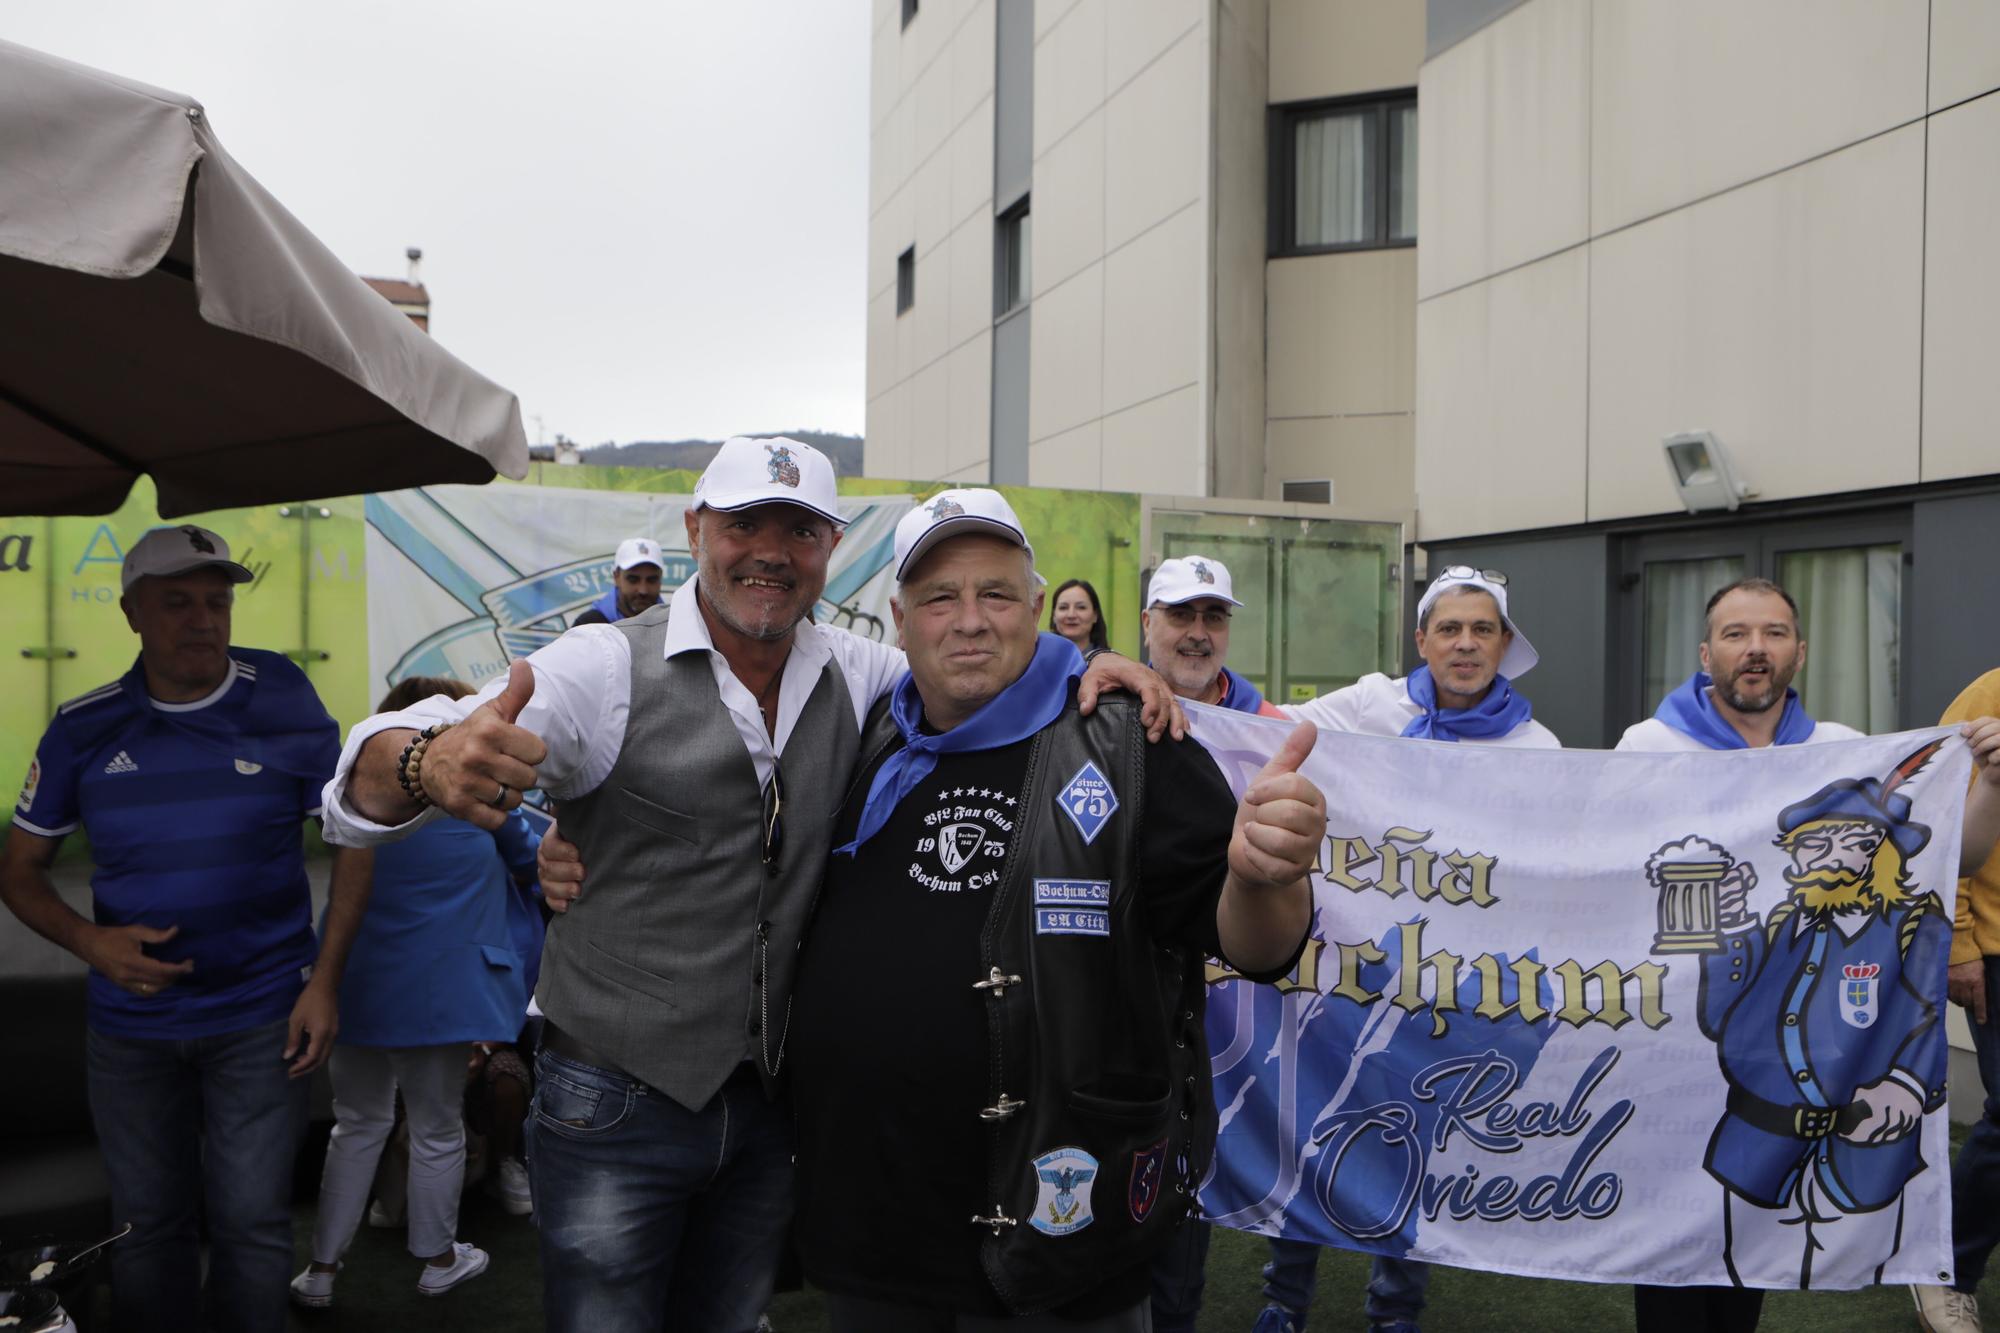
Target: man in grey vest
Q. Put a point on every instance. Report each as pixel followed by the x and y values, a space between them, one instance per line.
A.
pixel 660 1165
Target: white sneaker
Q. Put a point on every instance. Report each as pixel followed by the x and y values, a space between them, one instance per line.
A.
pixel 1946 1310
pixel 313 1289
pixel 467 1260
pixel 509 1188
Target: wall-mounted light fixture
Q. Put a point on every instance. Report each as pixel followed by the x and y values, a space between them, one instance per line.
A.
pixel 1702 473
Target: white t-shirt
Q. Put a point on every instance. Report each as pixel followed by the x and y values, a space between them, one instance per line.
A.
pixel 1653 734
pixel 1378 706
pixel 583 693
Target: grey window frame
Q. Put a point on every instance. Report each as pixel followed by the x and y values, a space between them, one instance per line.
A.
pixel 906 280
pixel 909 11
pixel 1006 226
pixel 1281 135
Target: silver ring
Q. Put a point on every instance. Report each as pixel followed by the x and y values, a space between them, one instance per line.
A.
pixel 500 799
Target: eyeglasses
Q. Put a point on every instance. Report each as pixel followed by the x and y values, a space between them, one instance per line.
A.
pixel 774 827
pixel 1182 616
pixel 1461 573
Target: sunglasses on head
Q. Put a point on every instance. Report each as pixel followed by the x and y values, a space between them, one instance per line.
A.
pixel 1465 573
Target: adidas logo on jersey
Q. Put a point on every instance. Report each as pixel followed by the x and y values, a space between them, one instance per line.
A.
pixel 121 763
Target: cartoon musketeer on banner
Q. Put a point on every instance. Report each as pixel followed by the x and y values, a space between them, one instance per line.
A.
pixel 1832 1053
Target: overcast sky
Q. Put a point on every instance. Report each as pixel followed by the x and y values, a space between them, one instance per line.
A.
pixel 649 220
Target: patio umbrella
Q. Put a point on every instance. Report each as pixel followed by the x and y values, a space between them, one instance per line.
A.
pixel 161 313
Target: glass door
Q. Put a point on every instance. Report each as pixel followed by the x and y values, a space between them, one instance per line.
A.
pixel 1322 598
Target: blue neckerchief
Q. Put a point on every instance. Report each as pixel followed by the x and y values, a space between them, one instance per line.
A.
pixel 1033 701
pixel 1241 694
pixel 1691 712
pixel 608 604
pixel 275 719
pixel 1498 713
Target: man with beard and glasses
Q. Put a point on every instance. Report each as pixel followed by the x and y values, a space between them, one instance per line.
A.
pixel 1186 628
pixel 1472 653
pixel 661 1165
pixel 635 584
pixel 1742 699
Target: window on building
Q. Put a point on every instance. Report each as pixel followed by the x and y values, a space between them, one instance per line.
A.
pixel 906 279
pixel 1846 575
pixel 909 11
pixel 1011 239
pixel 1344 174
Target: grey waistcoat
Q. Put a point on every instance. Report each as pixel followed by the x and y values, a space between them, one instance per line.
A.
pixel 677 961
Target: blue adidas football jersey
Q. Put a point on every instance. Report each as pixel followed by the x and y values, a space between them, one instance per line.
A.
pixel 193 813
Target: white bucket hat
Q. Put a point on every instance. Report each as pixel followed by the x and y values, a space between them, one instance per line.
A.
pixel 746 472
pixel 1189 578
pixel 1520 657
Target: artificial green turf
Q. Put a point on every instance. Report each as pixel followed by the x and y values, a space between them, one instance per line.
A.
pixel 377 1293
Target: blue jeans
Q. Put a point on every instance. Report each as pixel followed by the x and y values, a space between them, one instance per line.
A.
pixel 208 1126
pixel 1975 1176
pixel 651 1215
pixel 1395 1286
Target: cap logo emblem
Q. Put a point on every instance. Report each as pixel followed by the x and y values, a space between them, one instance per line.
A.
pixel 1202 574
pixel 199 542
pixel 944 507
pixel 784 468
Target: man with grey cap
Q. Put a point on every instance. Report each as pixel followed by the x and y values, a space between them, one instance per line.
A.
pixel 1000 1079
pixel 1472 653
pixel 698 751
pixel 635 584
pixel 208 998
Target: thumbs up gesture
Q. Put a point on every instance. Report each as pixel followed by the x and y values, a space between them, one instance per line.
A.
pixel 1281 818
pixel 478 769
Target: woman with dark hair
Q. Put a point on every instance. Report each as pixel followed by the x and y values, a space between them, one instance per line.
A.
pixel 439 965
pixel 1075 614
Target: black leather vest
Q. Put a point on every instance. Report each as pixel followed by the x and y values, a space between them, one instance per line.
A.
pixel 1095 1051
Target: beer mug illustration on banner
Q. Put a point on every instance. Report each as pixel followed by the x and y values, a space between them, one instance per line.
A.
pixel 1687 875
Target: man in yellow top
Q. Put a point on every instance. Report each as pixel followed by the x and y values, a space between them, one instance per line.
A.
pixel 1974 982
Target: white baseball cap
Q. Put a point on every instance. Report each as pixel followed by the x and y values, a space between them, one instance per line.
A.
pixel 1188 578
pixel 746 472
pixel 634 551
pixel 1520 657
pixel 165 552
pixel 956 513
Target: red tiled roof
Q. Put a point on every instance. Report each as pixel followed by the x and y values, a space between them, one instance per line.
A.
pixel 398 292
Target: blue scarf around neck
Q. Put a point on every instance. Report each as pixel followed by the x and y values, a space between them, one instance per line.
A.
pixel 608 604
pixel 1498 713
pixel 1035 699
pixel 1691 712
pixel 1241 694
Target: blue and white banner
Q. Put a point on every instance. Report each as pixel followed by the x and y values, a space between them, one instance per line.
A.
pixel 1671 1018
pixel 471 577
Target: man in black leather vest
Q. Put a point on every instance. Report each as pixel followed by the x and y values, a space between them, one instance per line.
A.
pixel 1000 1081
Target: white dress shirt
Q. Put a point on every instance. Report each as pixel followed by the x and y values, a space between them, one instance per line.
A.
pixel 583 692
pixel 1653 734
pixel 1378 706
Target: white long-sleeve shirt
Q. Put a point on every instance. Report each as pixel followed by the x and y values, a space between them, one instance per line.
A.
pixel 583 693
pixel 1378 706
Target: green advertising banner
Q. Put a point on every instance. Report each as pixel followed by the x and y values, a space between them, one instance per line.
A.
pixel 327 570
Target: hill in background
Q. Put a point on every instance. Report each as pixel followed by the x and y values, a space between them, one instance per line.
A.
pixel 844 450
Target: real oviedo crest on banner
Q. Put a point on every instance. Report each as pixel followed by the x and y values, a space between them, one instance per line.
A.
pixel 1672 1018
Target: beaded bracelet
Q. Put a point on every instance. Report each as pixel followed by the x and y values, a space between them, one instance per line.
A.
pixel 409 768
